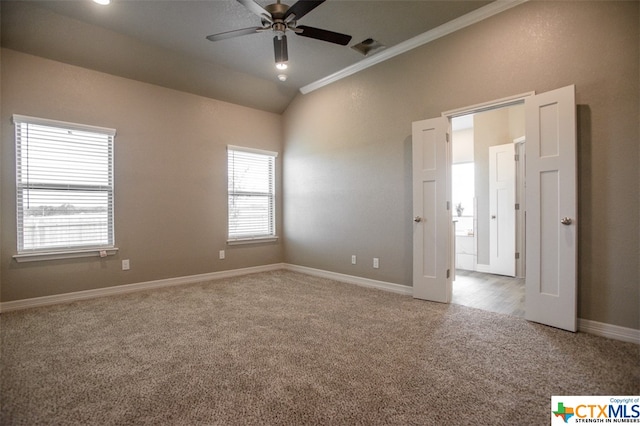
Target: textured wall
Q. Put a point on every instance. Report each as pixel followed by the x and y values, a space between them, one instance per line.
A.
pixel 170 175
pixel 347 176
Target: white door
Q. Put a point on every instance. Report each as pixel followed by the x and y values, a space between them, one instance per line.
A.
pixel 551 198
pixel 432 225
pixel 502 206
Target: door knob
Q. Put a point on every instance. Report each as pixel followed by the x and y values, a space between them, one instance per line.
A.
pixel 417 219
pixel 566 221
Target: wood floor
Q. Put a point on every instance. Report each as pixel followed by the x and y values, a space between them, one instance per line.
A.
pixel 495 293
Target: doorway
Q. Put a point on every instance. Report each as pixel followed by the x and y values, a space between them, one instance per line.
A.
pixel 486 195
pixel 551 206
pixel 489 292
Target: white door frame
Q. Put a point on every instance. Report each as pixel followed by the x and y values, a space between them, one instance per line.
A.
pixel 519 144
pixel 487 106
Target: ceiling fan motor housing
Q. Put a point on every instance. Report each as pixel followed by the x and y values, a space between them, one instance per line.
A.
pixel 277 10
pixel 276 21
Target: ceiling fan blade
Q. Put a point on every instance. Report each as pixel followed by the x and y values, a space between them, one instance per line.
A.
pixel 324 35
pixel 235 33
pixel 256 8
pixel 301 8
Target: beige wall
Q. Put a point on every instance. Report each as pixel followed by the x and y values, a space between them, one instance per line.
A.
pixel 170 175
pixel 347 176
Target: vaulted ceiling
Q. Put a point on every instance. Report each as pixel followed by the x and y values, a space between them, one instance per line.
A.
pixel 163 42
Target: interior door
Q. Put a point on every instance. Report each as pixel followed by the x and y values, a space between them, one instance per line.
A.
pixel 502 214
pixel 432 225
pixel 551 209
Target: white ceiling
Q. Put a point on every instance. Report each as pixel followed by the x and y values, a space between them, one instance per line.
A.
pixel 171 35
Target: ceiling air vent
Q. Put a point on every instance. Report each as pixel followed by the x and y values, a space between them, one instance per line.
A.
pixel 368 46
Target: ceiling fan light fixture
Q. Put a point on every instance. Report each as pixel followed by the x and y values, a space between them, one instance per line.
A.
pixel 280 51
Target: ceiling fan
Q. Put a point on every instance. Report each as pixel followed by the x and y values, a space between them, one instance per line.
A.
pixel 280 18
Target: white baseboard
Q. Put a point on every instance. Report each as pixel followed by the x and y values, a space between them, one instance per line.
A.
pixel 608 330
pixel 130 288
pixel 351 279
pixel 587 326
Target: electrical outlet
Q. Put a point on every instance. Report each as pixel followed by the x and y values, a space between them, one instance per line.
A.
pixel 353 259
pixel 376 262
pixel 125 265
pixel 221 254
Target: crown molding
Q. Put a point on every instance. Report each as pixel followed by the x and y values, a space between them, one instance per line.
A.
pixel 470 18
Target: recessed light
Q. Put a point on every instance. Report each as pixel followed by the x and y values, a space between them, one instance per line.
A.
pixel 282 77
pixel 102 2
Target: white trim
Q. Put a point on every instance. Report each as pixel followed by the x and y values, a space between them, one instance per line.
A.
pixel 609 330
pixel 254 240
pixel 486 106
pixel 470 18
pixel 351 279
pixel 130 288
pixel 67 254
pixel 17 118
pixel 252 150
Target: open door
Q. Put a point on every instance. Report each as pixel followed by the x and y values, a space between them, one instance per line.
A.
pixel 551 208
pixel 432 227
pixel 502 210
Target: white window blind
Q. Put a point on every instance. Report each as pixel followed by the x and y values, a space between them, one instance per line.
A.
pixel 251 188
pixel 64 184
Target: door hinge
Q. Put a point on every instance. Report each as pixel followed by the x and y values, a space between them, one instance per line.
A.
pixel 448 273
pixel 517 206
pixel 516 157
pixel 448 206
pixel 517 255
pixel 447 136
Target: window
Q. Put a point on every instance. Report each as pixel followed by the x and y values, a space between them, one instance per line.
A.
pixel 64 186
pixel 463 188
pixel 251 189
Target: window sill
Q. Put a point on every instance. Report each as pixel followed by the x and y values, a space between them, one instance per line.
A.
pixel 255 240
pixel 68 254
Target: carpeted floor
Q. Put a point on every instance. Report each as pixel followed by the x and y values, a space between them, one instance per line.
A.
pixel 286 348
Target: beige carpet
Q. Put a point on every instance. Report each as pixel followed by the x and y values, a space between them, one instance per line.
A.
pixel 286 348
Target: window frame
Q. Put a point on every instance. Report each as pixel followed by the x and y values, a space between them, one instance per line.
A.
pixel 271 193
pixel 72 250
